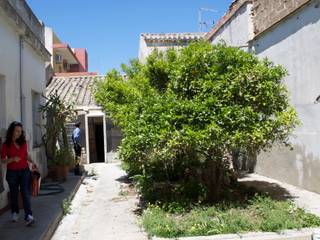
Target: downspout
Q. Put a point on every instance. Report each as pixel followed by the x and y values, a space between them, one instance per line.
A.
pixel 22 97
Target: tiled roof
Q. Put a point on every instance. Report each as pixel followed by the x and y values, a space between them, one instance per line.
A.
pixel 74 89
pixel 75 74
pixel 172 36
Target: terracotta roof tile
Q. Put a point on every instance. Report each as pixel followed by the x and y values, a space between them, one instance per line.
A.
pixel 75 89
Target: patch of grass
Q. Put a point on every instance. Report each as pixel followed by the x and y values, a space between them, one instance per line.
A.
pixel 66 206
pixel 259 214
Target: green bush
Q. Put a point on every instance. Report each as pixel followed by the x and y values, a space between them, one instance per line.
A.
pixel 184 112
pixel 64 157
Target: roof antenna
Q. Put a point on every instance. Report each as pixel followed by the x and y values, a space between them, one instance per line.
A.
pixel 202 23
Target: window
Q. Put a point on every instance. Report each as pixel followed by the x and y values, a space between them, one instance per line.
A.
pixel 36 120
pixel 58 58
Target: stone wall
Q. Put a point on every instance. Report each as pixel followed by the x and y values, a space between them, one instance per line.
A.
pixel 266 13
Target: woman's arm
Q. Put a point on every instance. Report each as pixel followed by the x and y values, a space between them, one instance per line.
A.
pixel 10 160
pixel 4 157
pixel 29 159
pixel 6 160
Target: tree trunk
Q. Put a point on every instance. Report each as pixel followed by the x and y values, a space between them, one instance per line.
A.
pixel 212 180
pixel 217 176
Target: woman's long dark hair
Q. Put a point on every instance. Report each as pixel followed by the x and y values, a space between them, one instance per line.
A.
pixel 21 140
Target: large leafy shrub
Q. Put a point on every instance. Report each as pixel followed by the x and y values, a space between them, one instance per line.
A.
pixel 184 112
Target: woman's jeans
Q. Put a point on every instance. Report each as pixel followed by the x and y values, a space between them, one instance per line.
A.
pixel 22 179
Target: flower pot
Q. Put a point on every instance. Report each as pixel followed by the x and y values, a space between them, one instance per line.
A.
pixel 59 173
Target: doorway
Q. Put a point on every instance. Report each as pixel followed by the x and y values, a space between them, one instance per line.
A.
pixel 96 139
pixel 99 142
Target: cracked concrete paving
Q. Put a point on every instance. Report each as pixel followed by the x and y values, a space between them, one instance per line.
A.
pixel 100 209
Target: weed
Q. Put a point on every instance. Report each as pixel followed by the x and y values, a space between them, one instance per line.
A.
pixel 66 206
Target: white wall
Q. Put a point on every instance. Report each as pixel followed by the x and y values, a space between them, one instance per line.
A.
pixel 33 76
pixel 9 62
pixel 146 48
pixel 238 30
pixel 295 44
pixel 143 50
pixel 49 41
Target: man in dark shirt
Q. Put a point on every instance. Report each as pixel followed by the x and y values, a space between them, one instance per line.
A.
pixel 76 139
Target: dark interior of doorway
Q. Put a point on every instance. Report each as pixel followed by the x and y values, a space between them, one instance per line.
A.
pixel 99 142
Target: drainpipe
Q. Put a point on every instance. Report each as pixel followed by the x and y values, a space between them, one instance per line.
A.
pixel 22 97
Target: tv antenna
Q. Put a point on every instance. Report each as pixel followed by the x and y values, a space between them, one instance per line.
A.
pixel 200 21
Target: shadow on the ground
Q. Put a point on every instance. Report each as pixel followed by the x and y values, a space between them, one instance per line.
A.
pixel 273 190
pixel 244 190
pixel 129 187
pixel 124 179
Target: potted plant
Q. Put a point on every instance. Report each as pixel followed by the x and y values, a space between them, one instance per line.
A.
pixel 58 151
pixel 63 160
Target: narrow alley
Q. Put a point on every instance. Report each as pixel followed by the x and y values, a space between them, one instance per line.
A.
pixel 101 209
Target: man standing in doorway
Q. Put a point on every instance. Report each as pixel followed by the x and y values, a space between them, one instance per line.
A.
pixel 76 139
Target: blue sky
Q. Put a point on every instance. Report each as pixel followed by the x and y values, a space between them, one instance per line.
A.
pixel 110 30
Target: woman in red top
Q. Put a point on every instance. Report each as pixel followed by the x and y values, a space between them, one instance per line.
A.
pixel 14 153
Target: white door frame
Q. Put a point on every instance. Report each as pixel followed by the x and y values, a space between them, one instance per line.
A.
pixel 87 138
pixel 105 139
